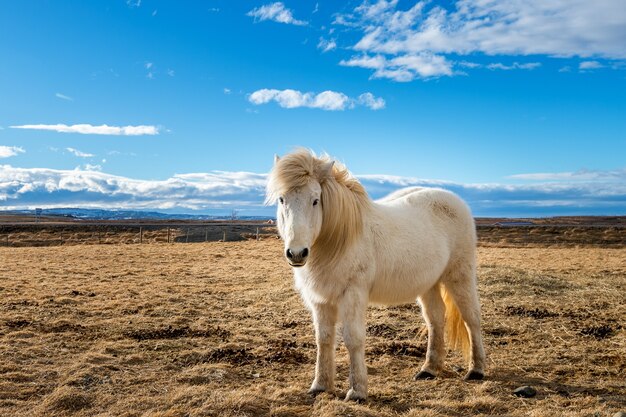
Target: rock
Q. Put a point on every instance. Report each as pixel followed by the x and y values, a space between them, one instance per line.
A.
pixel 619 414
pixel 526 391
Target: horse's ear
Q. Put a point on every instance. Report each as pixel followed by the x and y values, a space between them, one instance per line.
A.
pixel 276 158
pixel 326 170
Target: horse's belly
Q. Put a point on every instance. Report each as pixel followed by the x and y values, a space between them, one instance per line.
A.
pixel 399 289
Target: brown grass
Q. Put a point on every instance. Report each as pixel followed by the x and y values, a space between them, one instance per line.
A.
pixel 216 329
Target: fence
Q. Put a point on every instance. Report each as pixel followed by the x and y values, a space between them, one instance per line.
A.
pixel 50 234
pixel 78 233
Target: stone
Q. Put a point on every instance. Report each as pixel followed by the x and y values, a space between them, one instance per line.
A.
pixel 526 391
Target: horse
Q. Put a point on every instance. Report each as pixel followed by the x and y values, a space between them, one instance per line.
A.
pixel 346 251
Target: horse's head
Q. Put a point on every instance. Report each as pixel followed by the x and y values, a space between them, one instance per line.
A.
pixel 296 186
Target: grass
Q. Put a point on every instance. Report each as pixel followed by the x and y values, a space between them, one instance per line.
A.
pixel 216 329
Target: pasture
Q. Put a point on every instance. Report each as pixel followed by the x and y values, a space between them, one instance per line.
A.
pixel 216 329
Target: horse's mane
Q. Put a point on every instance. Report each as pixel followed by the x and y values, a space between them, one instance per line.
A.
pixel 343 198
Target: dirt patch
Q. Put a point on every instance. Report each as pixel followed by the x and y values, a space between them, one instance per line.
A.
pixel 381 330
pixel 599 332
pixel 535 313
pixel 285 352
pixel 234 356
pixel 398 349
pixel 17 324
pixel 177 332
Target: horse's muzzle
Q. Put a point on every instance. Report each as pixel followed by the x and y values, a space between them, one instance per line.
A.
pixel 297 258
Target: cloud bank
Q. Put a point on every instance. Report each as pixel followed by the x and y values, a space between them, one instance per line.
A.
pixel 552 194
pixel 87 129
pixel 326 100
pixel 424 40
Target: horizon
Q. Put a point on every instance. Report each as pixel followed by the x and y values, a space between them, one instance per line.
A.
pixel 84 213
pixel 152 105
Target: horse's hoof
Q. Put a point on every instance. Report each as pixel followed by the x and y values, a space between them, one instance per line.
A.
pixel 423 375
pixel 314 392
pixel 474 376
pixel 352 395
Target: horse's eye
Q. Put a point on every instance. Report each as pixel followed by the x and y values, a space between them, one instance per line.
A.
pixel 315 202
pixel 280 199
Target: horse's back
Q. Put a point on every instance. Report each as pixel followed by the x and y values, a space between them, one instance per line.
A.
pixel 399 194
pixel 434 208
pixel 440 202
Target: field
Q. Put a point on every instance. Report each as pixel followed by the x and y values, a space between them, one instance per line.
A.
pixel 216 329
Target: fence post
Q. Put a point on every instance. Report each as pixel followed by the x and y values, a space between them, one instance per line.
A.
pixel 8 240
pixel 257 233
pixel 224 238
pixel 206 234
pixel 187 238
pixel 140 234
pixel 168 235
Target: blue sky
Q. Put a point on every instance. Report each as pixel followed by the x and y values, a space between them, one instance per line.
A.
pixel 518 106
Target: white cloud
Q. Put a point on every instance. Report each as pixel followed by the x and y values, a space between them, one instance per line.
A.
pixel 79 154
pixel 227 91
pixel 330 100
pixel 276 12
pixel 63 97
pixel 556 28
pixel 515 65
pixel 326 45
pixel 368 100
pixel 170 72
pixel 554 194
pixel 403 68
pixel 575 176
pixel 470 65
pixel 133 3
pixel 590 65
pixel 94 167
pixel 326 100
pixel 8 151
pixel 87 129
pixel 371 62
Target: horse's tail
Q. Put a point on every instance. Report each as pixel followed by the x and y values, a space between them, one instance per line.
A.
pixel 456 332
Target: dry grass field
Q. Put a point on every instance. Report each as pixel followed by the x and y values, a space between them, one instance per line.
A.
pixel 216 329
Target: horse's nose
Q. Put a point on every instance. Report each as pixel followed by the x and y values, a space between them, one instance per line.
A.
pixel 297 257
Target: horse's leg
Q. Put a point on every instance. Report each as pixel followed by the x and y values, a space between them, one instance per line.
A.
pixel 353 308
pixel 324 319
pixel 461 285
pixel 433 310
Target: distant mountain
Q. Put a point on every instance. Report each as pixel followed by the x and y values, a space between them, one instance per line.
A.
pixel 99 214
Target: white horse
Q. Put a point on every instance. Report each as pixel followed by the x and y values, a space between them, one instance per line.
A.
pixel 347 250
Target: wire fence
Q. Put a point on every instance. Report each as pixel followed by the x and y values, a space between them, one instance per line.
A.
pixel 49 234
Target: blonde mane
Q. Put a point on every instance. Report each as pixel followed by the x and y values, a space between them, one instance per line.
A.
pixel 343 199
